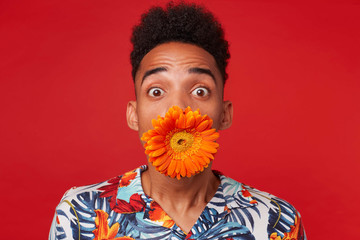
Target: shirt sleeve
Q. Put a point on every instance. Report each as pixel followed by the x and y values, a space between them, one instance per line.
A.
pixel 63 221
pixel 301 234
pixel 57 232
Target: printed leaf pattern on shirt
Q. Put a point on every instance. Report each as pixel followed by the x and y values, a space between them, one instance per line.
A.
pixel 296 232
pixel 135 204
pixel 85 204
pixel 103 231
pixel 159 215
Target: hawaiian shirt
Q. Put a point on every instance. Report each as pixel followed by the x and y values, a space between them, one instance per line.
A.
pixel 119 209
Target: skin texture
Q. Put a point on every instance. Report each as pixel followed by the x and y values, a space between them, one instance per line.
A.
pixel 184 75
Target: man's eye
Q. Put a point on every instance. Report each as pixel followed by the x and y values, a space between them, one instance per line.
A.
pixel 156 92
pixel 200 92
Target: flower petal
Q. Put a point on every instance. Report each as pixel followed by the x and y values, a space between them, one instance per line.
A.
pixel 208 148
pixel 211 144
pixel 181 121
pixel 163 168
pixel 190 167
pixel 190 122
pixel 160 130
pixel 183 169
pixel 157 152
pixel 178 166
pixel 205 154
pixel 160 160
pixel 171 168
pixel 199 160
pixel 155 146
pixel 211 137
pixel 157 138
pixel 202 126
pixel 188 109
pixel 208 132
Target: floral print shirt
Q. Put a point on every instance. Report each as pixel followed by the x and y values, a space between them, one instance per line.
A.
pixel 119 209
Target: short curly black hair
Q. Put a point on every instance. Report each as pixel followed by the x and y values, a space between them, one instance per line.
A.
pixel 182 22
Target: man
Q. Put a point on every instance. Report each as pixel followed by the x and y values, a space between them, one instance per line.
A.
pixel 179 59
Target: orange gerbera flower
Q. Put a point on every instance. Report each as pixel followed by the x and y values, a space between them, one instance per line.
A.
pixel 182 143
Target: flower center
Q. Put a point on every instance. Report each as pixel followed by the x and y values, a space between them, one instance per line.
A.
pixel 181 141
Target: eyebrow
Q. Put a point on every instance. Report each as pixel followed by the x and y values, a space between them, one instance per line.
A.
pixel 152 71
pixel 202 71
pixel 196 70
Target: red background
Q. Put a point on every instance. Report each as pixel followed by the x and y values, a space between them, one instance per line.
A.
pixel 294 81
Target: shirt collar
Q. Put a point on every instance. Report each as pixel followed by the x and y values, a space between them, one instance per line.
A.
pixel 230 193
pixel 236 194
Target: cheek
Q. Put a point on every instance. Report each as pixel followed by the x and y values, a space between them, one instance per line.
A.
pixel 143 128
pixel 217 122
pixel 146 113
pixel 145 121
pixel 216 114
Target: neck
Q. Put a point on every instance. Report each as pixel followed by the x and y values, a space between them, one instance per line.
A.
pixel 183 194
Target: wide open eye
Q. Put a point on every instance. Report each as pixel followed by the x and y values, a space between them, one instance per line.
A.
pixel 200 92
pixel 156 92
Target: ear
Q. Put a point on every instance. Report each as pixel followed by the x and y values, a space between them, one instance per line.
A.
pixel 131 116
pixel 227 115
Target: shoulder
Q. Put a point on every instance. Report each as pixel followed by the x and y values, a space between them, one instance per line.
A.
pixel 76 191
pixel 86 193
pixel 240 192
pixel 76 206
pixel 105 189
pixel 80 206
pixel 253 206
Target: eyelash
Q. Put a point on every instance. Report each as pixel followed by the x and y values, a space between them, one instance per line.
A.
pixel 208 91
pixel 155 88
pixel 201 86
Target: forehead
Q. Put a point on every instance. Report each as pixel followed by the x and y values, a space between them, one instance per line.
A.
pixel 175 56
